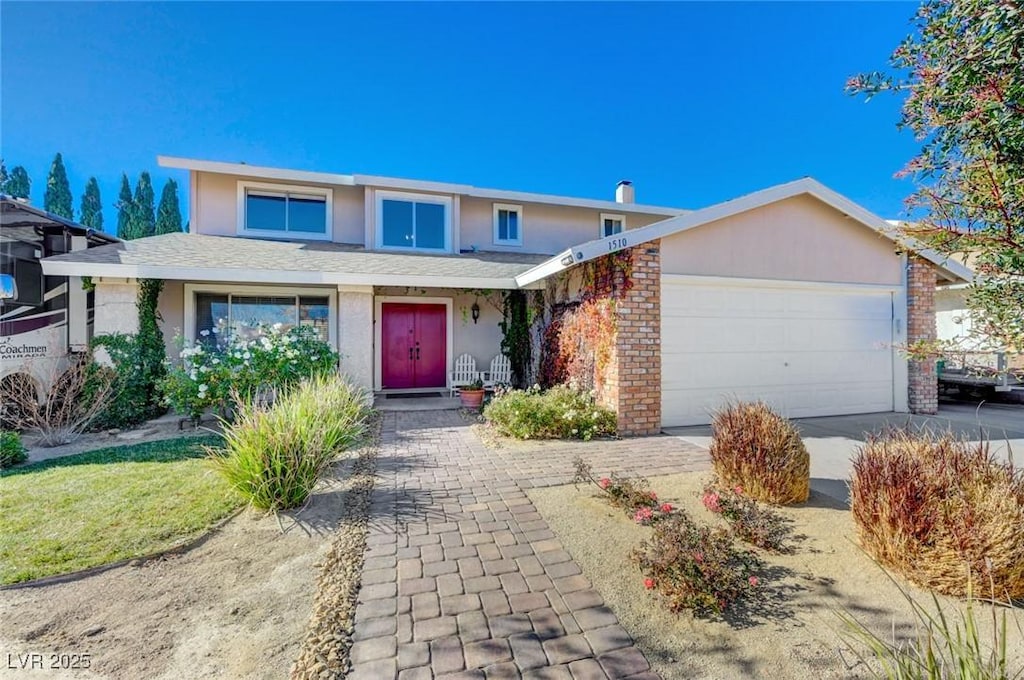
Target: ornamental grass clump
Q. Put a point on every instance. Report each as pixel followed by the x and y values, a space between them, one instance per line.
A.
pixel 558 413
pixel 945 645
pixel 755 448
pixel 275 455
pixel 937 508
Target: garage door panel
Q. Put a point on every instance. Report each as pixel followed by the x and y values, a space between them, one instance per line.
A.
pixel 807 351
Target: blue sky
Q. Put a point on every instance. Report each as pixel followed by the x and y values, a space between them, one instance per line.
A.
pixel 694 102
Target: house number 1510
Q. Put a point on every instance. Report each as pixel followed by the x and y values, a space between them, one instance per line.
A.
pixel 616 243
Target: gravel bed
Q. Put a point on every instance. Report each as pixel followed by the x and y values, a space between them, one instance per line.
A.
pixel 325 650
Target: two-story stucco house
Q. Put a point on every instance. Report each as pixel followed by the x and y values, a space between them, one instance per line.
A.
pixel 792 294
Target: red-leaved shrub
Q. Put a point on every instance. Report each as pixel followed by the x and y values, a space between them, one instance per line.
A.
pixel 755 448
pixel 940 510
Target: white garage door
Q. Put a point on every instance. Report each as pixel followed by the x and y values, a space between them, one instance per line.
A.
pixel 807 350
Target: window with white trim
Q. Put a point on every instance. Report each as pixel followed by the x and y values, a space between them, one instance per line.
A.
pixel 284 211
pixel 508 224
pixel 612 224
pixel 220 316
pixel 413 221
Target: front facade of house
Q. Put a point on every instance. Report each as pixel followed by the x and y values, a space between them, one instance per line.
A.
pixel 793 294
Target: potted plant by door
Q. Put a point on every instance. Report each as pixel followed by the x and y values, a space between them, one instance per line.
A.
pixel 472 395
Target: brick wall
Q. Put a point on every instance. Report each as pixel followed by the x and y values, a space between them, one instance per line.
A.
pixel 923 381
pixel 631 385
pixel 630 381
pixel 638 345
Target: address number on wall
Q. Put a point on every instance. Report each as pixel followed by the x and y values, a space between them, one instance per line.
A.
pixel 616 244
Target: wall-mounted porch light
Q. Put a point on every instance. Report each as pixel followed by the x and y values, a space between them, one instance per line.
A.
pixel 475 310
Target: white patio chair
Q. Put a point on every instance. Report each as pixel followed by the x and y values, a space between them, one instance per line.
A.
pixel 464 373
pixel 500 373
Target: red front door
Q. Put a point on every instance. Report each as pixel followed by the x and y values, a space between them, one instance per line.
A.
pixel 413 345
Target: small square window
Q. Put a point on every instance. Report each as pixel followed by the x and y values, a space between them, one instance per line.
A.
pixel 612 224
pixel 508 225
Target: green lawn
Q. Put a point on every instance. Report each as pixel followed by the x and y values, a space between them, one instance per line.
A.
pixel 82 511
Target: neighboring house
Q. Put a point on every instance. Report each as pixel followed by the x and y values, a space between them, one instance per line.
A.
pixel 42 318
pixel 792 294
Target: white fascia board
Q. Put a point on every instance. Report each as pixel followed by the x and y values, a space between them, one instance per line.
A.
pixel 596 204
pixel 510 196
pixel 263 172
pixel 559 262
pixel 243 169
pixel 270 276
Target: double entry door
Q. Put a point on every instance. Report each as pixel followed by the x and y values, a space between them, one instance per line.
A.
pixel 413 345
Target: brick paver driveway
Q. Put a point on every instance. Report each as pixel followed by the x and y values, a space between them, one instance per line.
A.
pixel 464 579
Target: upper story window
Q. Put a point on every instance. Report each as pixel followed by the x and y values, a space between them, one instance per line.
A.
pixel 413 221
pixel 284 211
pixel 508 224
pixel 612 224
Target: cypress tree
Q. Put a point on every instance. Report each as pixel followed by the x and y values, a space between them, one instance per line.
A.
pixel 3 177
pixel 57 199
pixel 90 213
pixel 124 209
pixel 168 215
pixel 143 208
pixel 18 184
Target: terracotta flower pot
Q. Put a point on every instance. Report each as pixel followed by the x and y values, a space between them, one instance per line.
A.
pixel 473 399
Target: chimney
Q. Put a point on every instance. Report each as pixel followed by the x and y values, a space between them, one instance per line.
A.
pixel 624 192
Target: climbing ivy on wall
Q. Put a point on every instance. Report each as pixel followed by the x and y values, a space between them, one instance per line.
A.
pixel 578 345
pixel 515 341
pixel 138 363
pixel 152 351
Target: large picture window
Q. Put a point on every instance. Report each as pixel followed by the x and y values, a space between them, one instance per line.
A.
pixel 284 211
pixel 220 316
pixel 413 221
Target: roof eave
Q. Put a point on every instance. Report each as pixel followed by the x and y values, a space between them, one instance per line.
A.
pixel 69 267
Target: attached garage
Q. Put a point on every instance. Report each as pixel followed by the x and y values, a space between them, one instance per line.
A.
pixel 793 303
pixel 806 349
pixel 793 295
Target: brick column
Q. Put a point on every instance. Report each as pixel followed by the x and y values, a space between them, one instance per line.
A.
pixel 923 380
pixel 635 376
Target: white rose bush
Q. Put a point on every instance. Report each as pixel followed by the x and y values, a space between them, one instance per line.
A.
pixel 212 375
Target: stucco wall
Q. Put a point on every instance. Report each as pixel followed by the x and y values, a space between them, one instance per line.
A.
pixel 216 207
pixel 355 334
pixel 799 238
pixel 172 314
pixel 546 228
pixel 116 310
pixel 482 340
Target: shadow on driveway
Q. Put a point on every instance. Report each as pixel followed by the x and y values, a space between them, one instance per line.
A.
pixel 832 440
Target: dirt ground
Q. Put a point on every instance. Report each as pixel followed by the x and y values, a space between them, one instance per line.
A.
pixel 166 427
pixel 795 636
pixel 235 606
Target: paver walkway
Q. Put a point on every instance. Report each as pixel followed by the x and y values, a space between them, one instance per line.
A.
pixel 464 579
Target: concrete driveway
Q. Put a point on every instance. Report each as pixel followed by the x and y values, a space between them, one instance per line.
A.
pixel 832 440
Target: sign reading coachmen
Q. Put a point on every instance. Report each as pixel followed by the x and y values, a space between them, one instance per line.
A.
pixel 9 349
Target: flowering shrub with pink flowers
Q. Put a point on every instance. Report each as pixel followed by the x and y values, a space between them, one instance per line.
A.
pixel 690 565
pixel 749 520
pixel 632 495
pixel 696 567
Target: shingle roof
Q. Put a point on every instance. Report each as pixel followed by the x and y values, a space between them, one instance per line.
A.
pixel 179 256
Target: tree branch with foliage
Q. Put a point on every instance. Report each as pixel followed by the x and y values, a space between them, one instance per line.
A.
pixel 962 74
